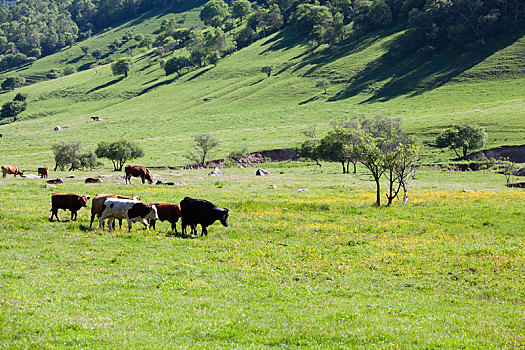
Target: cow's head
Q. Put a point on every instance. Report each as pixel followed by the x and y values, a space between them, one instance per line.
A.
pixel 152 215
pixel 83 200
pixel 148 177
pixel 20 172
pixel 224 217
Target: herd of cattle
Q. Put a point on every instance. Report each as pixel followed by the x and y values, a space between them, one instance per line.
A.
pixel 109 207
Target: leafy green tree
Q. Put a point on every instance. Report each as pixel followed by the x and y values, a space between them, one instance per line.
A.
pixel 310 149
pixel 267 70
pixel 119 152
pixel 70 155
pixel 122 66
pixel 176 64
pixel 10 83
pixel 146 41
pixel 323 83
pixel 213 12
pixel 241 9
pixel 197 47
pixel 245 37
pixel 12 109
pixel 85 49
pixel 96 53
pixel 203 146
pixel 463 137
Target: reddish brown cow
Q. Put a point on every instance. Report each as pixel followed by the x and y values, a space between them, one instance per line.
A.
pixel 67 201
pixel 43 171
pixel 11 169
pixel 93 180
pixel 137 171
pixel 98 202
pixel 167 212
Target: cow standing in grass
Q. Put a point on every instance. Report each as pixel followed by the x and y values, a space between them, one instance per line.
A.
pixel 67 201
pixel 200 211
pixel 133 211
pixel 167 212
pixel 98 202
pixel 11 169
pixel 137 171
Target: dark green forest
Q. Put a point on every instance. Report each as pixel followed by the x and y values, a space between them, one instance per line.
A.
pixel 30 29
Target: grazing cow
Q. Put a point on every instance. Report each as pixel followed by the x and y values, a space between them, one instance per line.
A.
pixel 93 180
pixel 167 212
pixel 43 171
pixel 137 171
pixel 95 119
pixel 133 211
pixel 55 181
pixel 1 135
pixel 98 202
pixel 67 201
pixel 200 211
pixel 11 169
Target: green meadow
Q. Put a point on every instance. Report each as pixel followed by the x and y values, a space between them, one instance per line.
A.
pixel 322 268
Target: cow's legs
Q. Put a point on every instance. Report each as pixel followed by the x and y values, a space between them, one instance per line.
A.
pixel 129 225
pixel 145 223
pixel 204 231
pixel 174 227
pixel 152 224
pixel 110 223
pixel 54 212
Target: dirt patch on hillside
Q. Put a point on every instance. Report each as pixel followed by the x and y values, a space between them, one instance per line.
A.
pixel 515 154
pixel 249 160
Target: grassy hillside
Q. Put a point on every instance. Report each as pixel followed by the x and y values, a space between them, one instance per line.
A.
pixel 241 107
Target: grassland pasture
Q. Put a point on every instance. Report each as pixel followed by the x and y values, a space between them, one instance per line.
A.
pixel 323 268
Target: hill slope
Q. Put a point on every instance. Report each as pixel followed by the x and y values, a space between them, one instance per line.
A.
pixel 241 107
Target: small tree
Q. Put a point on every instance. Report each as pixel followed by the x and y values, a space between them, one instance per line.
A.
pixel 69 154
pixel 10 83
pixel 323 84
pixel 96 53
pixel 267 70
pixel 14 108
pixel 122 66
pixel 509 170
pixel 204 144
pixel 119 152
pixel 241 8
pixel 176 64
pixel 465 137
pixel 213 12
pixel 85 49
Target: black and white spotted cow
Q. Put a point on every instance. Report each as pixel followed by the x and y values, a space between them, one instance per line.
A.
pixel 132 210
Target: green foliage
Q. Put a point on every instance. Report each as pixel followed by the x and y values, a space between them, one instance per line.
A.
pixel 323 83
pixel 12 109
pixel 214 12
pixel 69 69
pixel 267 70
pixel 241 9
pixel 146 41
pixel 245 37
pixel 203 145
pixel 119 152
pixel 54 73
pixel 10 83
pixel 236 155
pixel 85 49
pixel 122 66
pixel 96 53
pixel 71 155
pixel 176 64
pixel 465 137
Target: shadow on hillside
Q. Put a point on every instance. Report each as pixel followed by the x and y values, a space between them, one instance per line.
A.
pixel 198 74
pixel 159 84
pixel 393 75
pixel 109 83
pixel 75 60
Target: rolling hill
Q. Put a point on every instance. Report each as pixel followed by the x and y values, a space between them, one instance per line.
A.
pixel 240 106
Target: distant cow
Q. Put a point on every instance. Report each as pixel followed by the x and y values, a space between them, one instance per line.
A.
pixel 200 211
pixel 67 201
pixel 98 202
pixel 55 181
pixel 93 180
pixel 1 135
pixel 11 169
pixel 137 171
pixel 167 212
pixel 43 171
pixel 96 119
pixel 116 208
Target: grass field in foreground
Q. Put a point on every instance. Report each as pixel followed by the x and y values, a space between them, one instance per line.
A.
pixel 316 269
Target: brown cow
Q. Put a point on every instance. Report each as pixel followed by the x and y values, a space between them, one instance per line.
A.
pixel 43 171
pixel 55 181
pixel 11 169
pixel 93 180
pixel 67 201
pixel 98 202
pixel 167 212
pixel 138 171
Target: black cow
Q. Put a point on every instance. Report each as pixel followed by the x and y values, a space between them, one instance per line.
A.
pixel 200 211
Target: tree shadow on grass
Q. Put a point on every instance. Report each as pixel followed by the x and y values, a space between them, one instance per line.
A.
pixel 109 83
pixel 198 74
pixel 395 74
pixel 159 84
pixel 315 98
pixel 256 82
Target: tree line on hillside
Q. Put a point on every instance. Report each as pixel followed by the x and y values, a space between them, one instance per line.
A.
pixel 32 28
